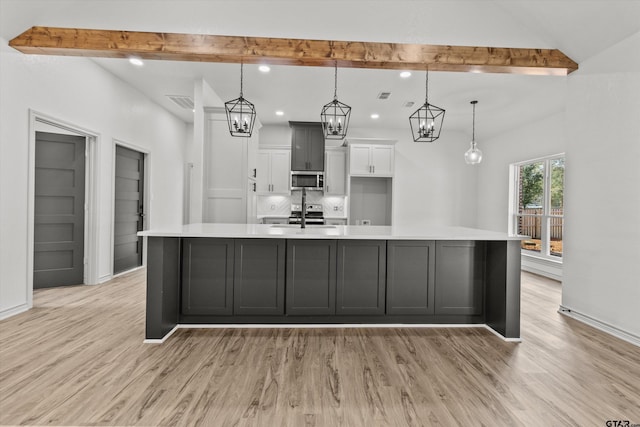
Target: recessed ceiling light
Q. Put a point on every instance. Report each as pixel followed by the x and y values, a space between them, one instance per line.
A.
pixel 375 116
pixel 264 68
pixel 279 113
pixel 136 61
pixel 405 74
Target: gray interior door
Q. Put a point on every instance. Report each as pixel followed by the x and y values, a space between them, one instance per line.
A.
pixel 129 213
pixel 58 258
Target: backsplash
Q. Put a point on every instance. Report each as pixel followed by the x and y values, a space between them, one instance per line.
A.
pixel 333 206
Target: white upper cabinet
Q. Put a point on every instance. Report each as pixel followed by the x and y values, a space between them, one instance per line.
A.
pixel 273 176
pixel 335 172
pixel 371 160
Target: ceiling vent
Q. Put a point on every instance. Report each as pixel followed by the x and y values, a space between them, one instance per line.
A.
pixel 384 95
pixel 182 101
pixel 408 104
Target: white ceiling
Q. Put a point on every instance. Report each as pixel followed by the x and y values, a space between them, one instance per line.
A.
pixel 579 28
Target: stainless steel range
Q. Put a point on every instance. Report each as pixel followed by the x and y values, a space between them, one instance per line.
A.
pixel 314 214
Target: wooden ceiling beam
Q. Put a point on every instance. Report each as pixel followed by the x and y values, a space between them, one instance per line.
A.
pixel 277 51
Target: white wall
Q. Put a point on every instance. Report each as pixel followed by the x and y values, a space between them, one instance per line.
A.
pixel 79 92
pixel 541 138
pixel 602 249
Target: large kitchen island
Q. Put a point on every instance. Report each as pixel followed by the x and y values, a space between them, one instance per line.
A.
pixel 248 274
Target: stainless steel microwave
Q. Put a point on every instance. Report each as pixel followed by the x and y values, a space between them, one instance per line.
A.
pixel 308 180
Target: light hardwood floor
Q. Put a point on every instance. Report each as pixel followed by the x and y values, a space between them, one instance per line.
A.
pixel 77 358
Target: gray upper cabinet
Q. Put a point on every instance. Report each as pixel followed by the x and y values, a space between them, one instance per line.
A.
pixel 460 277
pixel 410 277
pixel 307 146
pixel 259 277
pixel 207 276
pixel 311 277
pixel 361 277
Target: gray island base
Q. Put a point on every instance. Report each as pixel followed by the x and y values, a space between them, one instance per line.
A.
pixel 211 274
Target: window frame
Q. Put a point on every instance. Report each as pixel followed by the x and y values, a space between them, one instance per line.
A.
pixel 546 216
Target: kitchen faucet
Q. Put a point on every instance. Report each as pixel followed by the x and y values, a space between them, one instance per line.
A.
pixel 303 212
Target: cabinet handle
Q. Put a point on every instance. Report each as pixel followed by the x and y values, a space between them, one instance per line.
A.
pixel 254 187
pixel 374 168
pixel 327 188
pixel 255 172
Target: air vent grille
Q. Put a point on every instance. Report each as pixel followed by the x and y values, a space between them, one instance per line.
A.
pixel 384 95
pixel 182 101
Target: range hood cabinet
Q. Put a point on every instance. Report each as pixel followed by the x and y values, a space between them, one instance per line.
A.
pixel 307 147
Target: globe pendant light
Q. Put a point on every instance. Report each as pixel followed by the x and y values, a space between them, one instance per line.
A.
pixel 241 114
pixel 335 115
pixel 473 156
pixel 426 122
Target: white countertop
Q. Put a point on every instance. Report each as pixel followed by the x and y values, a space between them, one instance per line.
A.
pixel 362 232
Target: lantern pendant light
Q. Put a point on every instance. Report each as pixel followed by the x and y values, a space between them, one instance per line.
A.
pixel 241 114
pixel 473 156
pixel 335 115
pixel 426 121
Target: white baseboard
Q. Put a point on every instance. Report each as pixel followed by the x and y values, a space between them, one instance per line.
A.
pixel 104 278
pixel 328 325
pixel 6 313
pixel 542 267
pixel 127 271
pixel 603 326
pixel 490 329
pixel 163 339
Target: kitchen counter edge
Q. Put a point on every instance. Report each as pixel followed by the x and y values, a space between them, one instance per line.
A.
pixel 367 232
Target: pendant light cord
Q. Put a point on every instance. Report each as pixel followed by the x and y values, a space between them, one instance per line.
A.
pixel 473 125
pixel 241 78
pixel 335 81
pixel 426 90
pixel 473 131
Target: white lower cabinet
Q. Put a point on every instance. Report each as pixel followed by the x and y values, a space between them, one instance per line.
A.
pixel 335 221
pixel 275 220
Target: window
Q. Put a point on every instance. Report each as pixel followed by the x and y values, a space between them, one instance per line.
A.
pixel 538 205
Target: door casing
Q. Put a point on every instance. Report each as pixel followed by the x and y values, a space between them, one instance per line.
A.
pixel 92 160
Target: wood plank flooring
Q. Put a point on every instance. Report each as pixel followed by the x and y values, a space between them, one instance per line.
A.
pixel 77 358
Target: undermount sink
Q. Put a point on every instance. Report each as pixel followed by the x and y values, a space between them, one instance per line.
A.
pixel 298 226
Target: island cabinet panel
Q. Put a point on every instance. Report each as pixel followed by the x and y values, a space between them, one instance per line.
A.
pixel 410 277
pixel 311 277
pixel 361 280
pixel 207 276
pixel 258 285
pixel 460 277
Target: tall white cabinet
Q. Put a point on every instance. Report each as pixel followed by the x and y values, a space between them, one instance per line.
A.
pixel 229 181
pixel 370 183
pixel 335 174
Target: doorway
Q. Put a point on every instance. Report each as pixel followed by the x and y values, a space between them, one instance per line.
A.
pixel 59 214
pixel 128 209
